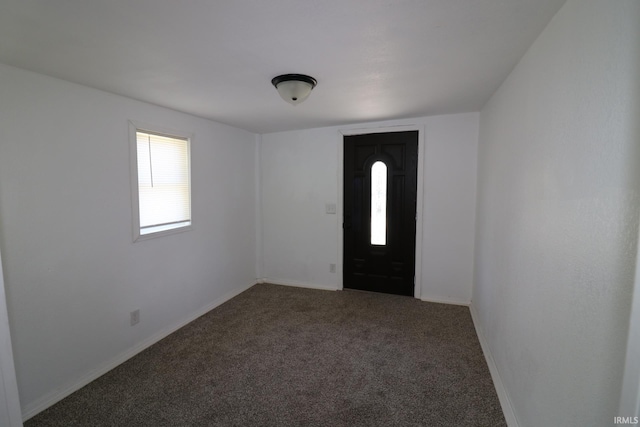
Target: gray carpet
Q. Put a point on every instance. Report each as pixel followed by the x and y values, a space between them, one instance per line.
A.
pixel 281 356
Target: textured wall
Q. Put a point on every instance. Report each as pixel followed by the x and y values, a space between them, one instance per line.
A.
pixel 72 272
pixel 557 215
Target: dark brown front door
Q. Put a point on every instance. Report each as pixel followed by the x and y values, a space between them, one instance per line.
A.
pixel 380 187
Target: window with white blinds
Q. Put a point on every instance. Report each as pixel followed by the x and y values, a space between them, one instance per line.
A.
pixel 163 183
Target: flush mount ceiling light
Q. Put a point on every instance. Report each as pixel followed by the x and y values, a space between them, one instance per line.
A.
pixel 294 88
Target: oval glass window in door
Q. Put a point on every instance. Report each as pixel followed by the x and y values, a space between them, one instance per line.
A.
pixel 379 204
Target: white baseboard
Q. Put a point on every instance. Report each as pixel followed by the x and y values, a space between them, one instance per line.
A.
pixel 299 284
pixel 445 301
pixel 503 396
pixel 32 409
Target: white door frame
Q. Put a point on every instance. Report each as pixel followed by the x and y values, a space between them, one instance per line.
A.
pixel 420 192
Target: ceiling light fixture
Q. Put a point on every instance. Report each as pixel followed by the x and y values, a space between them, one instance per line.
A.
pixel 294 88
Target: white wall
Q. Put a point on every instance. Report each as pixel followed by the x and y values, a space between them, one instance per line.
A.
pixel 558 215
pixel 10 413
pixel 449 207
pixel 72 272
pixel 301 172
pixel 299 175
pixel 630 392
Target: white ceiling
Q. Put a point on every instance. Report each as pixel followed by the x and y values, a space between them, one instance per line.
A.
pixel 373 59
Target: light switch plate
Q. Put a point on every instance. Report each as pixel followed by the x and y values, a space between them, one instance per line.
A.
pixel 330 208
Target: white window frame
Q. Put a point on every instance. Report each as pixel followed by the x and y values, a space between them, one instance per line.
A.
pixel 134 128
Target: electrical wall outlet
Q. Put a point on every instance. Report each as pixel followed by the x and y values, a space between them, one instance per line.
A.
pixel 332 268
pixel 135 317
pixel 330 208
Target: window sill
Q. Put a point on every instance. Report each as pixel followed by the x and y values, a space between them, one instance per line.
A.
pixel 162 230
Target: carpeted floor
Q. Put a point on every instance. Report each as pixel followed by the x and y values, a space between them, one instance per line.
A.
pixel 281 356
